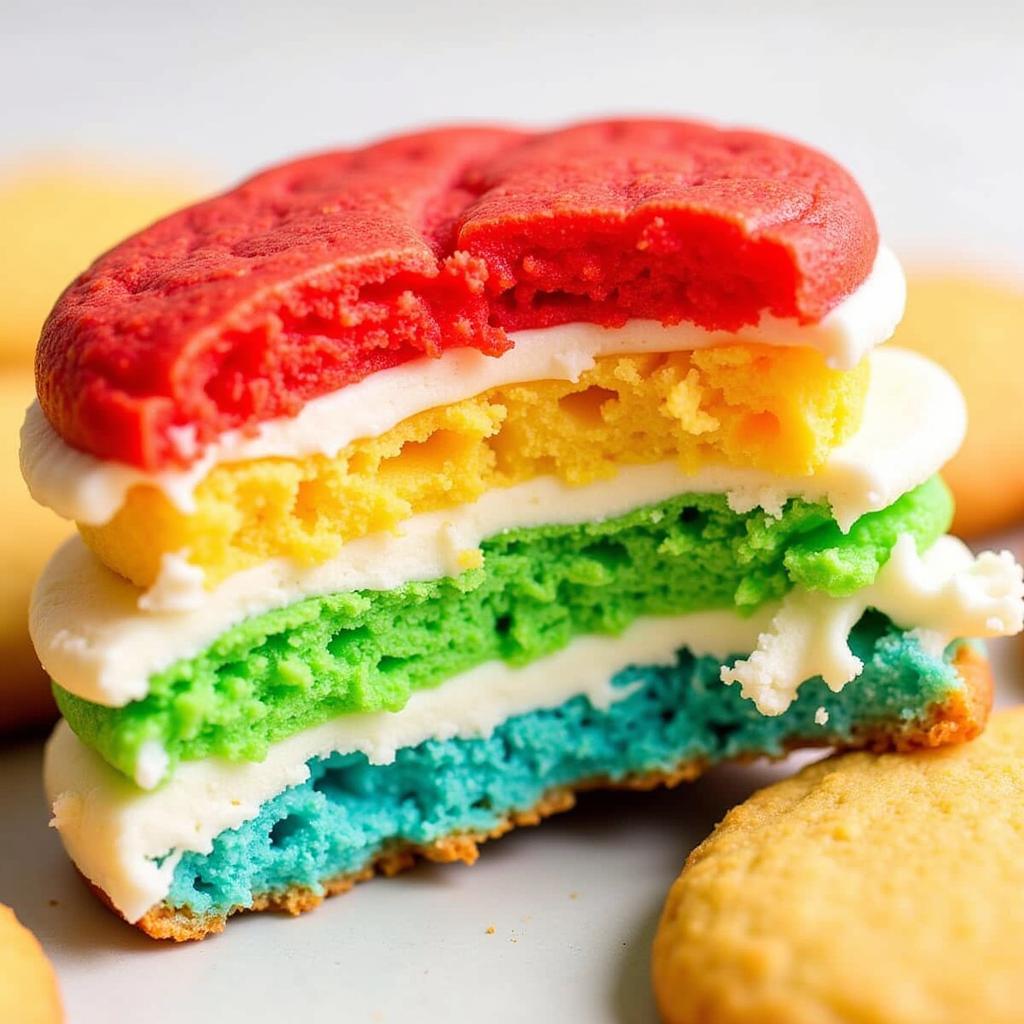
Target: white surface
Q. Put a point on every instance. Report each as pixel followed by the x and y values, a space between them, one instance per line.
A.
pixel 574 905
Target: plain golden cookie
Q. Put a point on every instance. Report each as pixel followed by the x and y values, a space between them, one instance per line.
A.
pixel 975 328
pixel 29 535
pixel 867 889
pixel 28 986
pixel 54 221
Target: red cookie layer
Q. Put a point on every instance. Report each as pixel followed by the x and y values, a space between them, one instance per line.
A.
pixel 317 273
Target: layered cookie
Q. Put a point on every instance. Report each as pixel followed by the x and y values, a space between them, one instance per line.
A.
pixel 422 485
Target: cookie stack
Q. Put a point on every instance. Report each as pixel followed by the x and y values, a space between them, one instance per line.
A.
pixel 422 485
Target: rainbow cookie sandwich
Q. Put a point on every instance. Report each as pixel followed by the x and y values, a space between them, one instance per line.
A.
pixel 422 485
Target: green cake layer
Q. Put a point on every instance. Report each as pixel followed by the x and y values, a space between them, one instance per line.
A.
pixel 295 667
pixel 349 810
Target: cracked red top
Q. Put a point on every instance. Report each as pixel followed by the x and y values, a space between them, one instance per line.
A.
pixel 319 272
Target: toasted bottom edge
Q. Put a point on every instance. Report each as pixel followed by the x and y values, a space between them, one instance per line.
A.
pixel 956 720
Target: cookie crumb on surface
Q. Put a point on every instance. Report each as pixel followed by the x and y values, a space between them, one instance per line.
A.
pixel 820 716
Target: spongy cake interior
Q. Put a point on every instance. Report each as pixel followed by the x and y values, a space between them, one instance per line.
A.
pixel 297 666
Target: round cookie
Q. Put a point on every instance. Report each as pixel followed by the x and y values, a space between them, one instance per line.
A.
pixel 864 889
pixel 975 328
pixel 29 537
pixel 28 986
pixel 57 218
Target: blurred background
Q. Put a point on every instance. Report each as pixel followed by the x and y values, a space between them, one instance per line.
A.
pixel 117 111
pixel 920 100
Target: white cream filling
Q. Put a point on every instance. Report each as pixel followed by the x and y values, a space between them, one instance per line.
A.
pixel 943 594
pixel 102 639
pixel 129 842
pixel 90 490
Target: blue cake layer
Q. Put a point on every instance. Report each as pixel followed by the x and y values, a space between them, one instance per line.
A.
pixel 349 810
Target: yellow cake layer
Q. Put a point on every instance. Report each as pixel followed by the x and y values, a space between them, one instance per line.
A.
pixel 780 409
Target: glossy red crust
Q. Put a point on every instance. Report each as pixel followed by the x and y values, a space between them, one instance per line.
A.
pixel 319 272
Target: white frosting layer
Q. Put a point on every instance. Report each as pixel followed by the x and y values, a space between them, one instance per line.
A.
pixel 81 487
pixel 101 638
pixel 114 833
pixel 944 594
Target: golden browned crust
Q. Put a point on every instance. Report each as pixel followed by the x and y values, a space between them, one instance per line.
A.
pixel 960 718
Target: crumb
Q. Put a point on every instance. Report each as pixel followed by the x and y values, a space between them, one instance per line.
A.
pixel 574 895
pixel 54 903
pixel 470 558
pixel 820 716
pixel 489 929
